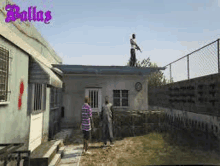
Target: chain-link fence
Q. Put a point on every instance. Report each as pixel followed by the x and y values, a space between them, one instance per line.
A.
pixel 201 62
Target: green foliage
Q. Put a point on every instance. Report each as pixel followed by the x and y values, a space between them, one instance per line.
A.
pixel 155 79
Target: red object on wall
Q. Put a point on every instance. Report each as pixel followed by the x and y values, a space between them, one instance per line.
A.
pixel 20 95
pixel 19 102
pixel 21 87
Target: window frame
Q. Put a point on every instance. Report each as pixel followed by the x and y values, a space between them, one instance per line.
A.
pixel 121 97
pixel 98 98
pixel 38 91
pixel 55 97
pixel 52 97
pixel 94 98
pixel 8 74
pixel 38 97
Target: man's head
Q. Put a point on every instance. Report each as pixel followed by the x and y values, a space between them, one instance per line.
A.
pixel 106 100
pixel 133 36
pixel 86 99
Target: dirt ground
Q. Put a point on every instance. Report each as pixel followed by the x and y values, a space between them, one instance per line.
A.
pixel 152 149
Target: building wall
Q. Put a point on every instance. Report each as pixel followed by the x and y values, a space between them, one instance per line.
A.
pixel 15 123
pixel 30 34
pixel 46 116
pixel 9 114
pixel 73 96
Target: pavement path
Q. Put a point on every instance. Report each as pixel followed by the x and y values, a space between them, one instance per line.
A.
pixel 74 147
pixel 72 155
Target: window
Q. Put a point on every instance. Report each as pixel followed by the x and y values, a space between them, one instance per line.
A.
pixel 38 97
pixel 4 68
pixel 52 97
pixel 55 97
pixel 63 87
pixel 93 96
pixel 120 97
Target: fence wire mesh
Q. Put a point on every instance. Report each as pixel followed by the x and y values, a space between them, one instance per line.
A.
pixel 201 62
pixel 179 70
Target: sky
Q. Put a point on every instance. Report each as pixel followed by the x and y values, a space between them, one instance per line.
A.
pixel 97 32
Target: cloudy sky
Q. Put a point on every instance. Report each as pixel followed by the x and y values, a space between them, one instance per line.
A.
pixel 97 32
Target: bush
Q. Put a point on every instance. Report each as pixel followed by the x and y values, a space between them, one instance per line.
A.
pixel 125 121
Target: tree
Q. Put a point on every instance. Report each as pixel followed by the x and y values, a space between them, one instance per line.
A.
pixel 156 78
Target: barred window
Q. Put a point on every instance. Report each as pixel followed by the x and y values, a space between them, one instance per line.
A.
pixel 64 86
pixel 52 97
pixel 93 96
pixel 120 97
pixel 55 97
pixel 124 99
pixel 38 97
pixel 4 67
pixel 58 97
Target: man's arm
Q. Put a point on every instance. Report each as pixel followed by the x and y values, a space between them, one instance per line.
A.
pixel 81 120
pixel 101 118
pixel 92 123
pixel 101 114
pixel 134 43
pixel 112 110
pixel 91 119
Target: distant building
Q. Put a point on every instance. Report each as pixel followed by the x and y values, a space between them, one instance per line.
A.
pixel 127 88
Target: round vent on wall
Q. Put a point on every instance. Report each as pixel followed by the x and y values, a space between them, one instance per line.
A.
pixel 138 86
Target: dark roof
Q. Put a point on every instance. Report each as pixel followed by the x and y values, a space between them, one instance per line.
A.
pixel 106 70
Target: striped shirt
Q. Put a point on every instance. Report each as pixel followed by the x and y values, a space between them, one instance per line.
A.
pixel 86 114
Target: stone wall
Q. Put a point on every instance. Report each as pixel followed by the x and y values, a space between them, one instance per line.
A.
pixel 200 95
pixel 191 104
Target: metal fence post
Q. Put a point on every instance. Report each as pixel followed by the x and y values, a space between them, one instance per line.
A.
pixel 170 73
pixel 218 55
pixel 188 66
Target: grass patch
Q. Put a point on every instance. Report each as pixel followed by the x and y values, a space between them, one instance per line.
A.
pixel 150 149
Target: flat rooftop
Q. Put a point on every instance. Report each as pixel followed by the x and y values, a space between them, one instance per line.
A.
pixel 107 70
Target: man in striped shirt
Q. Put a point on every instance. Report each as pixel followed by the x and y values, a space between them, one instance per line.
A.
pixel 86 119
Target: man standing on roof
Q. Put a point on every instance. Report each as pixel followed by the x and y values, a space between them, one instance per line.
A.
pixel 133 47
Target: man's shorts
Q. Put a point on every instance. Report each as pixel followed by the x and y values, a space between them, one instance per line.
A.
pixel 86 134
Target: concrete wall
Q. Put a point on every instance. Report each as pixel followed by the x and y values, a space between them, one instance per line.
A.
pixel 11 118
pixel 29 33
pixel 200 95
pixel 191 120
pixel 46 116
pixel 193 103
pixel 15 123
pixel 74 94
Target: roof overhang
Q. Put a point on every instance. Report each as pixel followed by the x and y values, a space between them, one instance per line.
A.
pixel 18 41
pixel 39 73
pixel 42 62
pixel 106 70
